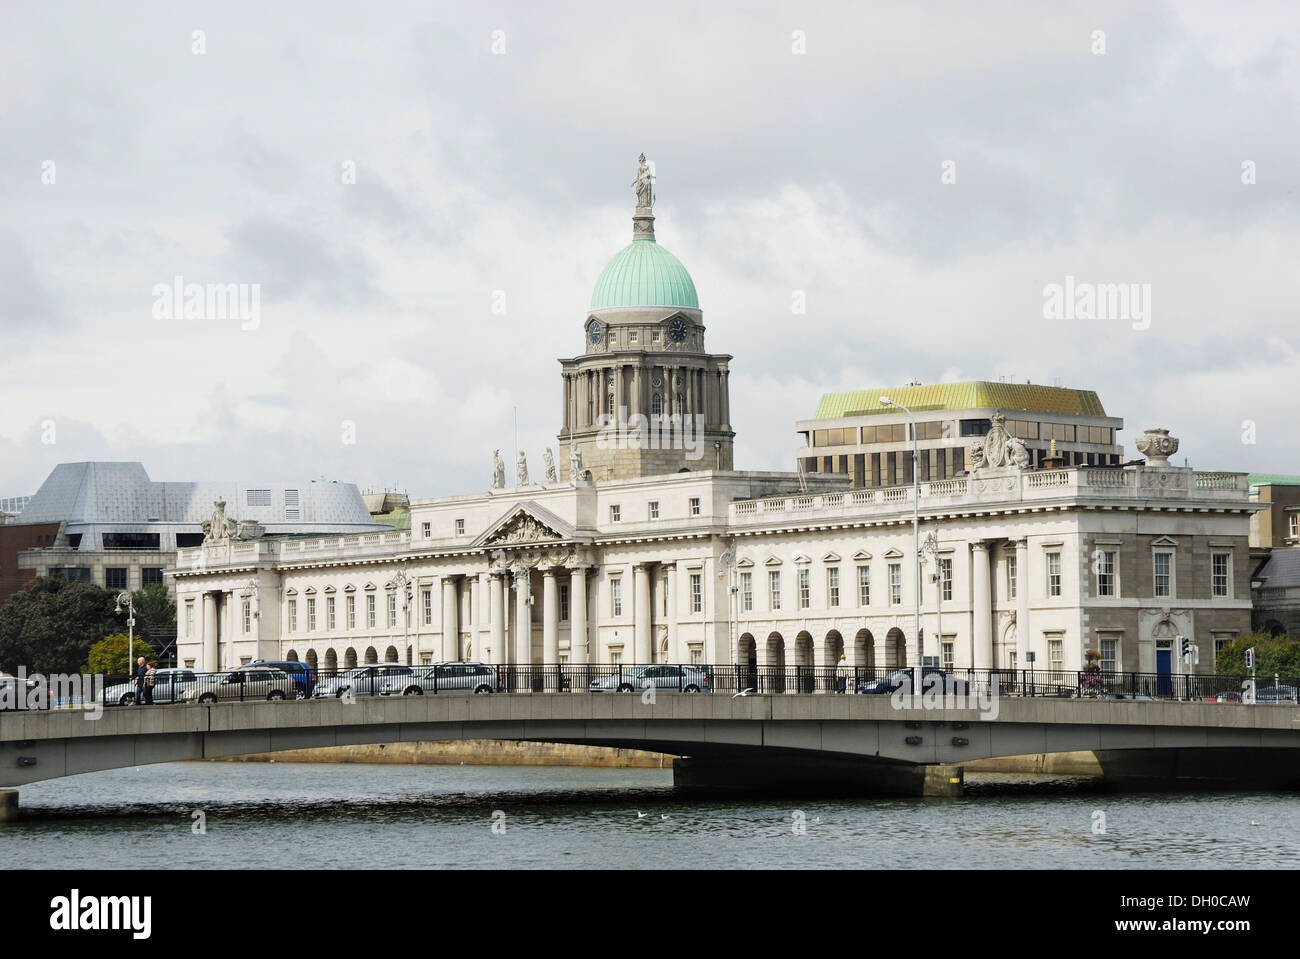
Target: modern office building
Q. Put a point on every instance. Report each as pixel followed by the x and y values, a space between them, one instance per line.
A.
pixel 110 524
pixel 856 435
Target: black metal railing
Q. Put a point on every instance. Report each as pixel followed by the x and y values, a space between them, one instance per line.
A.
pixel 254 683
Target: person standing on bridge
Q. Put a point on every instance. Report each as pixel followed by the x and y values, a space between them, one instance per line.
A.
pixel 141 671
pixel 841 674
pixel 150 678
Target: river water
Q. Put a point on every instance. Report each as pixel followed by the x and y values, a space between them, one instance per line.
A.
pixel 321 815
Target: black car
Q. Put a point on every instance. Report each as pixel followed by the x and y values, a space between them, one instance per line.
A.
pixel 930 676
pixel 304 677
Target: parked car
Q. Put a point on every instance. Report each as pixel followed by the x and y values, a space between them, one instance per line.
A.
pixel 1228 698
pixel 360 680
pixel 684 679
pixel 1278 696
pixel 15 695
pixel 930 675
pixel 444 678
pixel 168 684
pixel 304 677
pixel 245 683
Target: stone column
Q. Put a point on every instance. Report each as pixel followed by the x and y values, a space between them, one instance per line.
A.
pixel 822 683
pixel 1024 636
pixel 523 617
pixel 982 600
pixel 578 615
pixel 641 614
pixel 482 617
pixel 210 633
pixel 450 619
pixel 550 618
pixel 500 655
pixel 670 593
pixel 726 400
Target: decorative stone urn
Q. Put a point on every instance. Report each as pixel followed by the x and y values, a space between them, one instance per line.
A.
pixel 1157 446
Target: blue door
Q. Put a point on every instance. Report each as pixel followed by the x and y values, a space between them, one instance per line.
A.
pixel 1164 685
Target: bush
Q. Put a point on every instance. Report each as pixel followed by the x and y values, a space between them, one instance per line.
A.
pixel 1273 654
pixel 109 656
pixel 50 626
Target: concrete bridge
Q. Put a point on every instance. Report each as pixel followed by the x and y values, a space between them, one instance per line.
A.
pixel 822 742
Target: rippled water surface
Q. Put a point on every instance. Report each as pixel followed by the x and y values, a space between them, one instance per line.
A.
pixel 403 816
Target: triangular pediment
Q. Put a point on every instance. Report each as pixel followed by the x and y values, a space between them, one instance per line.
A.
pixel 773 561
pixel 831 558
pixel 1164 541
pixel 893 553
pixel 802 559
pixel 525 523
pixel 291 592
pixel 369 587
pixel 745 563
pixel 861 555
pixel 310 590
pixel 330 589
pixel 349 588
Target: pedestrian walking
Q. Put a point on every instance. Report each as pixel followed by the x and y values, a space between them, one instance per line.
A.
pixel 842 674
pixel 141 671
pixel 150 678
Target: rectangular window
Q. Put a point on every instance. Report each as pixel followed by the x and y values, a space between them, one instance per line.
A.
pixel 189 619
pixel 248 616
pixel 1163 573
pixel 460 527
pixel 947 656
pixel 258 497
pixel 1055 653
pixel 697 594
pixel 895 584
pixel 1109 650
pixel 864 585
pixel 747 592
pixel 426 599
pixel 616 597
pixel 1053 574
pixel 1220 575
pixel 695 506
pixel 1106 579
pixel 654 509
pixel 774 589
pixel 426 530
pixel 945 578
pixel 615 513
pixel 293 615
pixel 1293 525
pixel 1011 576
pixel 804 592
pixel 370 611
pixel 352 612
pixel 311 614
pixel 329 613
pixel 115 577
pixel 150 575
pixel 392 610
pixel 616 657
pixel 832 586
pixel 564 603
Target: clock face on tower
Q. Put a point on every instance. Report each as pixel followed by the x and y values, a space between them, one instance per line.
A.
pixel 593 332
pixel 677 329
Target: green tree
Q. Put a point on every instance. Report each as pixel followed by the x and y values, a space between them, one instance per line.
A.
pixel 50 626
pixel 1273 654
pixel 110 656
pixel 155 613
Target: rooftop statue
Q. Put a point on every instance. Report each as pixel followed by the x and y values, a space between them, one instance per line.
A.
pixel 644 185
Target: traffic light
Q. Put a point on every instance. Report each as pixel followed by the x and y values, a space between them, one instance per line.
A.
pixel 1186 647
pixel 1250 658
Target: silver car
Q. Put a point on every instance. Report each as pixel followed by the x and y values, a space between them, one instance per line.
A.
pixel 361 681
pixel 168 684
pixel 444 678
pixel 684 679
pixel 245 683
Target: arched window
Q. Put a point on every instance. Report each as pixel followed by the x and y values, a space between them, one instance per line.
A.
pixel 657 405
pixel 609 404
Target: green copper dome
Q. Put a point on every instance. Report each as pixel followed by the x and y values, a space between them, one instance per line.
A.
pixel 643 273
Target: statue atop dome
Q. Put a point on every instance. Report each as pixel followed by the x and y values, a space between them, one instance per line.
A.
pixel 644 185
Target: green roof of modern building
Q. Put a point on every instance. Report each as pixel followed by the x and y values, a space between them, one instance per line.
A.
pixel 975 394
pixel 1272 479
pixel 644 274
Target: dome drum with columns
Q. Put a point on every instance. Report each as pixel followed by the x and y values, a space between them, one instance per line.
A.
pixel 645 372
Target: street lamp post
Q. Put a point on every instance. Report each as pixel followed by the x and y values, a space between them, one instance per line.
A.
pixel 916 540
pixel 402 582
pixel 126 598
pixel 932 547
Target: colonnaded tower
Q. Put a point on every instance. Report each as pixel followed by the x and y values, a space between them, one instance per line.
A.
pixel 645 398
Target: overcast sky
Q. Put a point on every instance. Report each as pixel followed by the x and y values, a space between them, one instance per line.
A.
pixel 509 169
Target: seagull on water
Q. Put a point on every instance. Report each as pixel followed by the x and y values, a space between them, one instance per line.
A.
pixel 663 816
pixel 640 814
